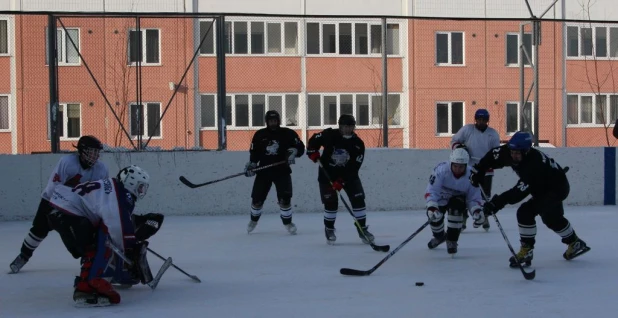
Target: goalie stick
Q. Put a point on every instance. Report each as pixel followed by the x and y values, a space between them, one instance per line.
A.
pixel 356 272
pixel 197 185
pixel 527 275
pixel 155 281
pixel 379 248
pixel 193 277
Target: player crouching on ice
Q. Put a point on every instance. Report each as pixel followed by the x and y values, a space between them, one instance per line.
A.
pixel 542 178
pixel 449 191
pixel 95 215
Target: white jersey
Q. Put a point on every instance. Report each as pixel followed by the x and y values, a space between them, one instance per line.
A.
pixel 443 185
pixel 104 202
pixel 478 142
pixel 70 172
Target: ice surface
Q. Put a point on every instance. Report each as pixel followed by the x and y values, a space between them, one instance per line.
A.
pixel 273 274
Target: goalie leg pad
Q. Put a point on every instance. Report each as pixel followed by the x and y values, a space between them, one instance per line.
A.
pixel 141 265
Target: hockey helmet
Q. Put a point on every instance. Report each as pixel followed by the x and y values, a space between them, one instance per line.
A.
pixel 521 141
pixel 135 180
pixel 272 114
pixel 481 114
pixel 89 148
pixel 346 119
pixel 460 156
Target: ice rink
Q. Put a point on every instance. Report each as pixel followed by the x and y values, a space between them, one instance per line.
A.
pixel 273 274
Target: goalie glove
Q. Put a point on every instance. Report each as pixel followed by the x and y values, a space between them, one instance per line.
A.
pixel 147 225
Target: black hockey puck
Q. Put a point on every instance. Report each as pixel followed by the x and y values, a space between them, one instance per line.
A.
pixel 420 283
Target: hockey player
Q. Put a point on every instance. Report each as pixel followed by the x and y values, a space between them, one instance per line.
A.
pixel 71 170
pixel 342 158
pixel 94 215
pixel 542 178
pixel 477 139
pixel 270 145
pixel 449 192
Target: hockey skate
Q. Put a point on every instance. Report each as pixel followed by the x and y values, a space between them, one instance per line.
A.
pixel 330 235
pixel 575 249
pixel 251 226
pixel 365 235
pixel 95 293
pixel 18 263
pixel 451 248
pixel 523 257
pixel 435 241
pixel 291 227
pixel 486 225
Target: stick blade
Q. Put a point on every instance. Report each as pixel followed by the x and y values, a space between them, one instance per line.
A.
pixel 195 278
pixel 529 275
pixel 354 272
pixel 187 182
pixel 381 248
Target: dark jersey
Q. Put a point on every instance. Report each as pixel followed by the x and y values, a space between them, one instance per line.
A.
pixel 342 157
pixel 271 146
pixel 539 175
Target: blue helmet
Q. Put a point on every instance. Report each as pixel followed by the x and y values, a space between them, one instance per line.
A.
pixel 481 113
pixel 520 141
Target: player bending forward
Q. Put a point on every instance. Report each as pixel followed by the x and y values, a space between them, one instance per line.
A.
pixel 542 178
pixel 449 192
pixel 94 215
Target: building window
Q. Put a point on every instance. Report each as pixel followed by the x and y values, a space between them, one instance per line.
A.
pixel 70 123
pixel 592 41
pixel 67 53
pixel 450 48
pixel 4 113
pixel 591 110
pixel 248 110
pixel 144 120
pixel 519 120
pixel 513 42
pixel 351 38
pixel 325 109
pixel 254 37
pixel 449 117
pixel 4 36
pixel 145 46
pixel 207 34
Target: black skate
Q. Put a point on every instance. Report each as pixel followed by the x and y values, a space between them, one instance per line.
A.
pixel 575 249
pixel 486 225
pixel 435 241
pixel 523 257
pixel 330 236
pixel 451 248
pixel 18 263
pixel 365 235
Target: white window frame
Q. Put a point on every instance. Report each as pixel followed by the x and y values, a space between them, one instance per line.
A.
pixel 520 56
pixel 370 96
pixel 9 35
pixel 450 50
pixel 450 117
pixel 353 43
pixel 282 23
pixel 519 123
pixel 594 42
pixel 65 121
pixel 145 132
pixel 213 31
pixel 62 57
pixel 594 124
pixel 144 48
pixel 8 113
pixel 232 125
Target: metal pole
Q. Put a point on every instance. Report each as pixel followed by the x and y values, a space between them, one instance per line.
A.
pixel 197 112
pixel 384 87
pixel 564 92
pixel 536 26
pixel 522 76
pixel 221 90
pixel 52 52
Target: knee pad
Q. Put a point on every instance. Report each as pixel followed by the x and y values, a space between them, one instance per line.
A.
pixel 285 203
pixel 331 206
pixel 257 205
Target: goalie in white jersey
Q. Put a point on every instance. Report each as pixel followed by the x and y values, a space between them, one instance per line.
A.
pixel 450 192
pixel 94 215
pixel 478 139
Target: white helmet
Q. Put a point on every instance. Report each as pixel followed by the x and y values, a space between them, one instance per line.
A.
pixel 135 180
pixel 460 156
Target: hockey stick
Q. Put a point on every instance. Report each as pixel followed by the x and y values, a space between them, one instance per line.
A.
pixel 155 281
pixel 197 185
pixel 379 248
pixel 356 272
pixel 527 275
pixel 193 277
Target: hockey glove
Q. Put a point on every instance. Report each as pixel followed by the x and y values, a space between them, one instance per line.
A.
pixel 314 155
pixel 434 214
pixel 338 184
pixel 476 177
pixel 493 206
pixel 478 216
pixel 147 225
pixel 292 152
pixel 248 167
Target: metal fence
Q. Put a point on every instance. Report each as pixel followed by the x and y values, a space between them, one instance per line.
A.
pixel 170 82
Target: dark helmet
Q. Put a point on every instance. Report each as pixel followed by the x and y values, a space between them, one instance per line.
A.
pixel 347 119
pixel 481 113
pixel 520 141
pixel 88 148
pixel 272 114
